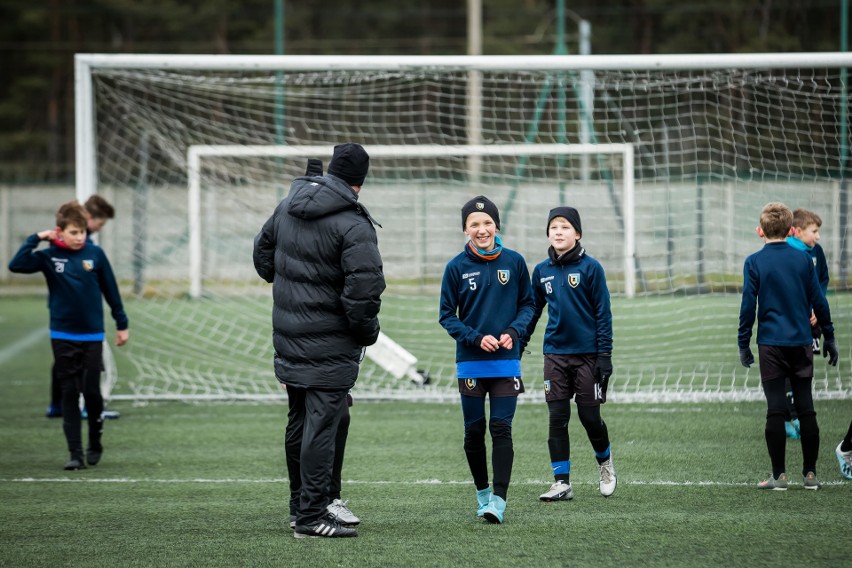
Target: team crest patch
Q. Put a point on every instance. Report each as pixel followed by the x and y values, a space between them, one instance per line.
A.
pixel 546 387
pixel 480 205
pixel 814 259
pixel 503 276
pixel 470 384
pixel 88 265
pixel 574 279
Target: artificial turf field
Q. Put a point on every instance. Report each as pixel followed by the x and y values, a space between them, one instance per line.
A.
pixel 204 485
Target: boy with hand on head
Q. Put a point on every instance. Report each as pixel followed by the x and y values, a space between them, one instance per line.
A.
pixel 98 211
pixel 781 284
pixel 78 275
pixel 486 305
pixel 577 348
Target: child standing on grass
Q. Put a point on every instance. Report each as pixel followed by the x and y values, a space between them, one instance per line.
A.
pixel 78 275
pixel 486 304
pixel 781 284
pixel 577 348
pixel 98 211
pixel 805 237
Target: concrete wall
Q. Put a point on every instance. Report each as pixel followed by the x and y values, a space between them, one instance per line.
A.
pixel 683 230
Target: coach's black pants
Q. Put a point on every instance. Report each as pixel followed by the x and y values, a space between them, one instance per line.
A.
pixel 313 420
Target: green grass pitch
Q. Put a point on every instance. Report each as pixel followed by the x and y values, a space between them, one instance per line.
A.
pixel 204 485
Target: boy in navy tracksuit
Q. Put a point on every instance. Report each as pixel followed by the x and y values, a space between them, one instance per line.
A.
pixel 98 211
pixel 486 304
pixel 577 348
pixel 781 284
pixel 78 274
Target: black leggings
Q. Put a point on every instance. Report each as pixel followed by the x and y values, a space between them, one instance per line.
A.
pixel 776 414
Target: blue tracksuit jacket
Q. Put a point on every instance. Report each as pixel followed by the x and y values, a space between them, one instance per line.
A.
pixel 76 280
pixel 479 298
pixel 781 283
pixel 578 307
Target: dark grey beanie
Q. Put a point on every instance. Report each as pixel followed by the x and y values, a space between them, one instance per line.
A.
pixel 569 213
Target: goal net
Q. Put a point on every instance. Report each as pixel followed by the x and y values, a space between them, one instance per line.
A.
pixel 668 159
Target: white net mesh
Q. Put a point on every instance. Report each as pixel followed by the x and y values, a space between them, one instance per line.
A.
pixel 710 147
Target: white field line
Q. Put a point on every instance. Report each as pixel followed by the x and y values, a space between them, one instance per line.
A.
pixel 128 480
pixel 23 343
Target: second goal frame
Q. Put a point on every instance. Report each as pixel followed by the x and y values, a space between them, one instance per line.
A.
pixel 196 153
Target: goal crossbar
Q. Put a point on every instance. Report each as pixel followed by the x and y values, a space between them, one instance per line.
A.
pixel 196 153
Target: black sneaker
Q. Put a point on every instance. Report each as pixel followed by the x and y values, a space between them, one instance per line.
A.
pixel 326 527
pixel 75 463
pixel 292 521
pixel 93 456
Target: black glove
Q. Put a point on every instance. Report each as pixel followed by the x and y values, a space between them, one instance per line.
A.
pixel 746 358
pixel 314 167
pixel 829 349
pixel 603 371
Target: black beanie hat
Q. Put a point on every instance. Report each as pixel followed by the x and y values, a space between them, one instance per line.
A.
pixel 350 163
pixel 569 213
pixel 481 204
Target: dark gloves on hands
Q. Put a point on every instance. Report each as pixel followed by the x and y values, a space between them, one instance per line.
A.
pixel 829 349
pixel 603 371
pixel 746 358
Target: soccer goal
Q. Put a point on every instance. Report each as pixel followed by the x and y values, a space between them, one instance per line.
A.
pixel 668 158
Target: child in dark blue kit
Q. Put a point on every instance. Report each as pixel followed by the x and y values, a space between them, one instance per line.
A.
pixel 577 348
pixel 486 304
pixel 781 284
pixel 78 276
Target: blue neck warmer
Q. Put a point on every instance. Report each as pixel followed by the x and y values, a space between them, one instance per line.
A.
pixel 798 245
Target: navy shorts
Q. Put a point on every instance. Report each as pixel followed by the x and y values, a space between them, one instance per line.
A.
pixel 571 376
pixel 497 386
pixel 777 362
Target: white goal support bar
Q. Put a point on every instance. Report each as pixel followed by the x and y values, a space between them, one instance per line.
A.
pixel 86 63
pixel 197 152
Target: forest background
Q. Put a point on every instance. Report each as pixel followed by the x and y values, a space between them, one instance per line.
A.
pixel 38 41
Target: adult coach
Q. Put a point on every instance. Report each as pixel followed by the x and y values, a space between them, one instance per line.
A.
pixel 319 251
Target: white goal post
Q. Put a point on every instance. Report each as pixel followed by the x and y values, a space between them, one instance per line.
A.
pixel 668 158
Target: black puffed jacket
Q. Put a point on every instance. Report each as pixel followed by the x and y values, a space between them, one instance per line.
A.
pixel 319 251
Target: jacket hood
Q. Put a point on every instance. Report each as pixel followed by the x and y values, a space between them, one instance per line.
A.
pixel 315 197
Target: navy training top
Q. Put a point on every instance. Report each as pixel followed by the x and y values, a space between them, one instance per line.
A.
pixel 480 297
pixel 781 283
pixel 579 316
pixel 75 281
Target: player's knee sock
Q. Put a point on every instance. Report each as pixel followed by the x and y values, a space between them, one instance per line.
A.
pixel 94 406
pixel 474 450
pixel 71 415
pixel 590 418
pixel 55 388
pixel 776 440
pixel 810 441
pixel 502 455
pixel 558 440
pixel 789 407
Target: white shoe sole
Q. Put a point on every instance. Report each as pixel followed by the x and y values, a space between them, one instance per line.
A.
pixel 559 497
